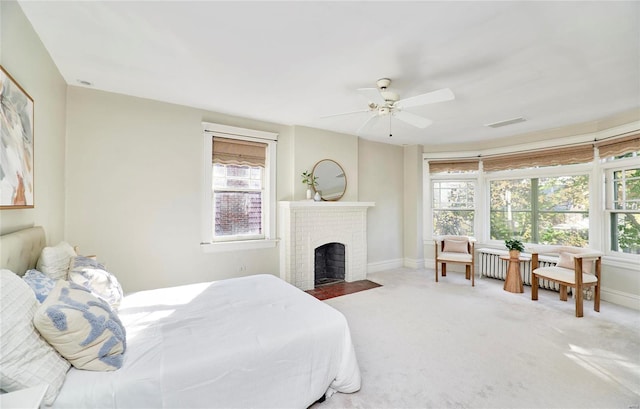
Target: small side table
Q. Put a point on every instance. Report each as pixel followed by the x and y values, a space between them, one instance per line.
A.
pixel 513 283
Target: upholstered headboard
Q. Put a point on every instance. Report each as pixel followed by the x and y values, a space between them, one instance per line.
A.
pixel 19 251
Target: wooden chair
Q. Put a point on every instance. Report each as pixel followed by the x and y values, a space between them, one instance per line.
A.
pixel 456 249
pixel 572 270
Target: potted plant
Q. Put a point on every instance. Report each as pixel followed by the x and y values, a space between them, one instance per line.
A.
pixel 309 180
pixel 514 246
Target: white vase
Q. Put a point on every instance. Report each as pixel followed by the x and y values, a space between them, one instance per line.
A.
pixel 309 194
pixel 317 197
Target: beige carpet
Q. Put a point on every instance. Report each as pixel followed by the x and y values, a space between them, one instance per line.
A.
pixel 422 344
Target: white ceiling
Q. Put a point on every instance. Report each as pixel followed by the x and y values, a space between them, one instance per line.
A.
pixel 553 63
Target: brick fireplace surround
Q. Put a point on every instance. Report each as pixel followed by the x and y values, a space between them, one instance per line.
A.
pixel 307 225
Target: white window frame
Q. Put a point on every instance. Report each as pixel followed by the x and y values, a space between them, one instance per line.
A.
pixel 269 200
pixel 583 169
pixel 608 167
pixel 454 177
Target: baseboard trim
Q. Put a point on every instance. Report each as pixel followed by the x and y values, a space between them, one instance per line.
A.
pixel 621 298
pixel 384 265
pixel 413 263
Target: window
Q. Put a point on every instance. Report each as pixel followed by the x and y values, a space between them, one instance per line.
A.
pixel 237 201
pixel 453 207
pixel 549 210
pixel 623 206
pixel 239 188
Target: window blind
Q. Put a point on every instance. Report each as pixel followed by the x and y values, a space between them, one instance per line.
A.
pixel 438 166
pixel 238 152
pixel 547 157
pixel 619 146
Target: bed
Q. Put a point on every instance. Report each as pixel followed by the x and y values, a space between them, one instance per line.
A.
pixel 253 341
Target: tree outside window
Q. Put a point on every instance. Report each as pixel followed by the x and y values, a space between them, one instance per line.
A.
pixel 453 207
pixel 552 210
pixel 625 212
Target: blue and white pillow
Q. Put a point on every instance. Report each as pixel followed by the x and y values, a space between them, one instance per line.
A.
pixel 89 273
pixel 82 328
pixel 40 283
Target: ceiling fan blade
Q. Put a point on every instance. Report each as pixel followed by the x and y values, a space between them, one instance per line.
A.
pixel 372 95
pixel 367 124
pixel 412 119
pixel 346 113
pixel 440 95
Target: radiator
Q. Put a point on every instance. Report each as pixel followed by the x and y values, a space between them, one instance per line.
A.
pixel 490 265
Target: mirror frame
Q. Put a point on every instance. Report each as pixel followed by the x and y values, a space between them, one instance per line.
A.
pixel 313 171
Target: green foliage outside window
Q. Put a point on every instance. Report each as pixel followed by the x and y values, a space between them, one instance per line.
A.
pixel 453 208
pixel 552 210
pixel 625 236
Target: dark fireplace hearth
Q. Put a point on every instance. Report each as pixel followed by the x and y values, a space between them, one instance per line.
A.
pixel 329 264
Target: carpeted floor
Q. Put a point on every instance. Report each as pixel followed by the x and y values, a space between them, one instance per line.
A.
pixel 342 288
pixel 422 344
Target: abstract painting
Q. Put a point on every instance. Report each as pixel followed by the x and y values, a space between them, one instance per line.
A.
pixel 16 144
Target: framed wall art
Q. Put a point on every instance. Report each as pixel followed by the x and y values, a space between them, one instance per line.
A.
pixel 16 145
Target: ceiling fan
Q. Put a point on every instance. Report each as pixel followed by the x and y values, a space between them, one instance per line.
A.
pixel 383 102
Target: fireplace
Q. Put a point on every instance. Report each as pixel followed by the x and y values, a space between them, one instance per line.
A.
pixel 305 226
pixel 329 266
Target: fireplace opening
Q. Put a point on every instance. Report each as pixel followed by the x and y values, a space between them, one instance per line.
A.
pixel 329 264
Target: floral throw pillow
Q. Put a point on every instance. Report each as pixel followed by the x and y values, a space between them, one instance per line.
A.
pixel 89 273
pixel 82 328
pixel 40 283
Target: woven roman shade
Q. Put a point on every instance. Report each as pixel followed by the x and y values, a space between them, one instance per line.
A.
pixel 238 152
pixel 547 157
pixel 619 146
pixel 439 166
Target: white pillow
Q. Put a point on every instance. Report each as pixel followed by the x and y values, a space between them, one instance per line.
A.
pixel 566 260
pixel 456 246
pixel 54 261
pixel 26 359
pixel 88 273
pixel 82 328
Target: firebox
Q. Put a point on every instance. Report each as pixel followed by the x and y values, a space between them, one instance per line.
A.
pixel 329 264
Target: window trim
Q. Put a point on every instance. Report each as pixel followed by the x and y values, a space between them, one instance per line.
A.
pixel 538 173
pixel 455 178
pixel 606 170
pixel 269 210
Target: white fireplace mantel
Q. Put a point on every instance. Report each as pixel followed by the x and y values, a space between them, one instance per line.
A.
pixel 306 225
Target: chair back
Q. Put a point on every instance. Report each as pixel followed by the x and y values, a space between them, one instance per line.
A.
pixel 455 240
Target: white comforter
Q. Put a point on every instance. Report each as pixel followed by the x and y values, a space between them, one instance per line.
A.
pixel 246 342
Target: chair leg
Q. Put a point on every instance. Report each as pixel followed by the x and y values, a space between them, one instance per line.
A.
pixel 534 286
pixel 467 275
pixel 444 269
pixel 579 298
pixel 596 298
pixel 473 275
pixel 563 292
pixel 436 271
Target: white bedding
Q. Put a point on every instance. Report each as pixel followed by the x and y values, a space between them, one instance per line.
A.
pixel 245 342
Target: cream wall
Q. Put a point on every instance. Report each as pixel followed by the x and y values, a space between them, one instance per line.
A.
pixel 25 58
pixel 134 193
pixel 312 145
pixel 380 167
pixel 413 229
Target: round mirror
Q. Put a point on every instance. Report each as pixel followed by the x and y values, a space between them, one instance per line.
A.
pixel 331 180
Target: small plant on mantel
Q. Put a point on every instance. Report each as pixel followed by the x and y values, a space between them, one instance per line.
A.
pixel 514 246
pixel 309 180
